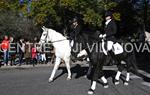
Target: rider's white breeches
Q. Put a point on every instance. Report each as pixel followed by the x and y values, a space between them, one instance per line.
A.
pixel 109 45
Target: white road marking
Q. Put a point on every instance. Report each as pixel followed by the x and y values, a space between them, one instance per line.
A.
pixel 144 73
pixel 135 77
pixel 146 84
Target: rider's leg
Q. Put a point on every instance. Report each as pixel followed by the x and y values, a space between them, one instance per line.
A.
pixel 110 52
pixel 117 77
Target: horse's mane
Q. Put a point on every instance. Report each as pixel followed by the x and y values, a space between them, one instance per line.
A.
pixel 92 35
pixel 147 32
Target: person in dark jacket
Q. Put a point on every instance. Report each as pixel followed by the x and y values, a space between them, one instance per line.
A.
pixel 75 31
pixel 21 50
pixel 27 53
pixel 110 30
pixel 74 34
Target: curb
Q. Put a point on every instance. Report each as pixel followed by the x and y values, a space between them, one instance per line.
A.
pixel 26 66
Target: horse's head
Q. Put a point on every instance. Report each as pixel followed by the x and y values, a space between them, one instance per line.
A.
pixel 44 35
pixel 43 38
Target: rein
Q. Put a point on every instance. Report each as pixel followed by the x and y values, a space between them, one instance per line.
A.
pixel 58 41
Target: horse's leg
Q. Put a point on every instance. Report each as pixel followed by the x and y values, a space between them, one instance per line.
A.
pixel 93 87
pixel 67 62
pixel 89 70
pixel 117 77
pixel 98 72
pixel 57 62
pixel 127 79
pixel 105 82
pixel 89 60
pixel 93 82
pixel 129 65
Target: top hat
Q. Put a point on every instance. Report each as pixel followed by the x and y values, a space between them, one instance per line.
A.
pixel 108 14
pixel 75 20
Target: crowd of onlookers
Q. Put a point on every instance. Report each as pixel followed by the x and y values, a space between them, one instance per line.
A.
pixel 21 51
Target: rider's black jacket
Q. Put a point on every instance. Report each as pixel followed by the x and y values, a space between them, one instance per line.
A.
pixel 110 31
pixel 75 32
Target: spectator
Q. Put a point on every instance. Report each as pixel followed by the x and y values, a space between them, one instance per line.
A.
pixel 39 57
pixel 0 57
pixel 35 40
pixel 5 48
pixel 27 54
pixel 34 55
pixel 43 57
pixel 21 51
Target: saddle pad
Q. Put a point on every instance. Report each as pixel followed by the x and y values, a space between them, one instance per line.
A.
pixel 118 49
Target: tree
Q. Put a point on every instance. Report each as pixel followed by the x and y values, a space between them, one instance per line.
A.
pixel 12 24
pixel 143 9
pixel 54 13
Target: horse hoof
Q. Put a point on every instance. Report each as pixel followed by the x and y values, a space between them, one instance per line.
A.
pixel 50 80
pixel 91 92
pixel 106 85
pixel 85 76
pixel 116 82
pixel 126 83
pixel 68 78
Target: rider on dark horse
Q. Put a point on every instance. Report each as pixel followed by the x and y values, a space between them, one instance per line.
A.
pixel 110 32
pixel 74 33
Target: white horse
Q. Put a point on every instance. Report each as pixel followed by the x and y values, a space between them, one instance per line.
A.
pixel 147 38
pixel 62 49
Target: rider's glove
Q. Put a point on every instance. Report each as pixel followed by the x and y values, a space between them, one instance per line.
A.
pixel 104 36
pixel 100 36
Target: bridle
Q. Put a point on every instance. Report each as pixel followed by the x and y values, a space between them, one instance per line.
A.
pixel 45 37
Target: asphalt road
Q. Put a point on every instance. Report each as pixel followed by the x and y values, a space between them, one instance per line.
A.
pixel 34 81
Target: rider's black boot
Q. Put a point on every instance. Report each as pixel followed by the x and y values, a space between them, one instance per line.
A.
pixel 111 55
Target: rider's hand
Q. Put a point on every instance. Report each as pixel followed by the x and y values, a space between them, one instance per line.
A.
pixel 100 36
pixel 104 36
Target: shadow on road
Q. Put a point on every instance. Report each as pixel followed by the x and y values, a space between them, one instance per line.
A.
pixel 143 63
pixel 78 70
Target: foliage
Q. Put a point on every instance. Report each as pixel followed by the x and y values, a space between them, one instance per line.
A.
pixel 143 11
pixel 48 11
pixel 12 25
pixel 55 13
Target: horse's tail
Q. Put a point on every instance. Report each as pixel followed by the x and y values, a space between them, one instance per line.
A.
pixel 134 63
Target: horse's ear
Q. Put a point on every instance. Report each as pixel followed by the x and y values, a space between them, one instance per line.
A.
pixel 43 28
